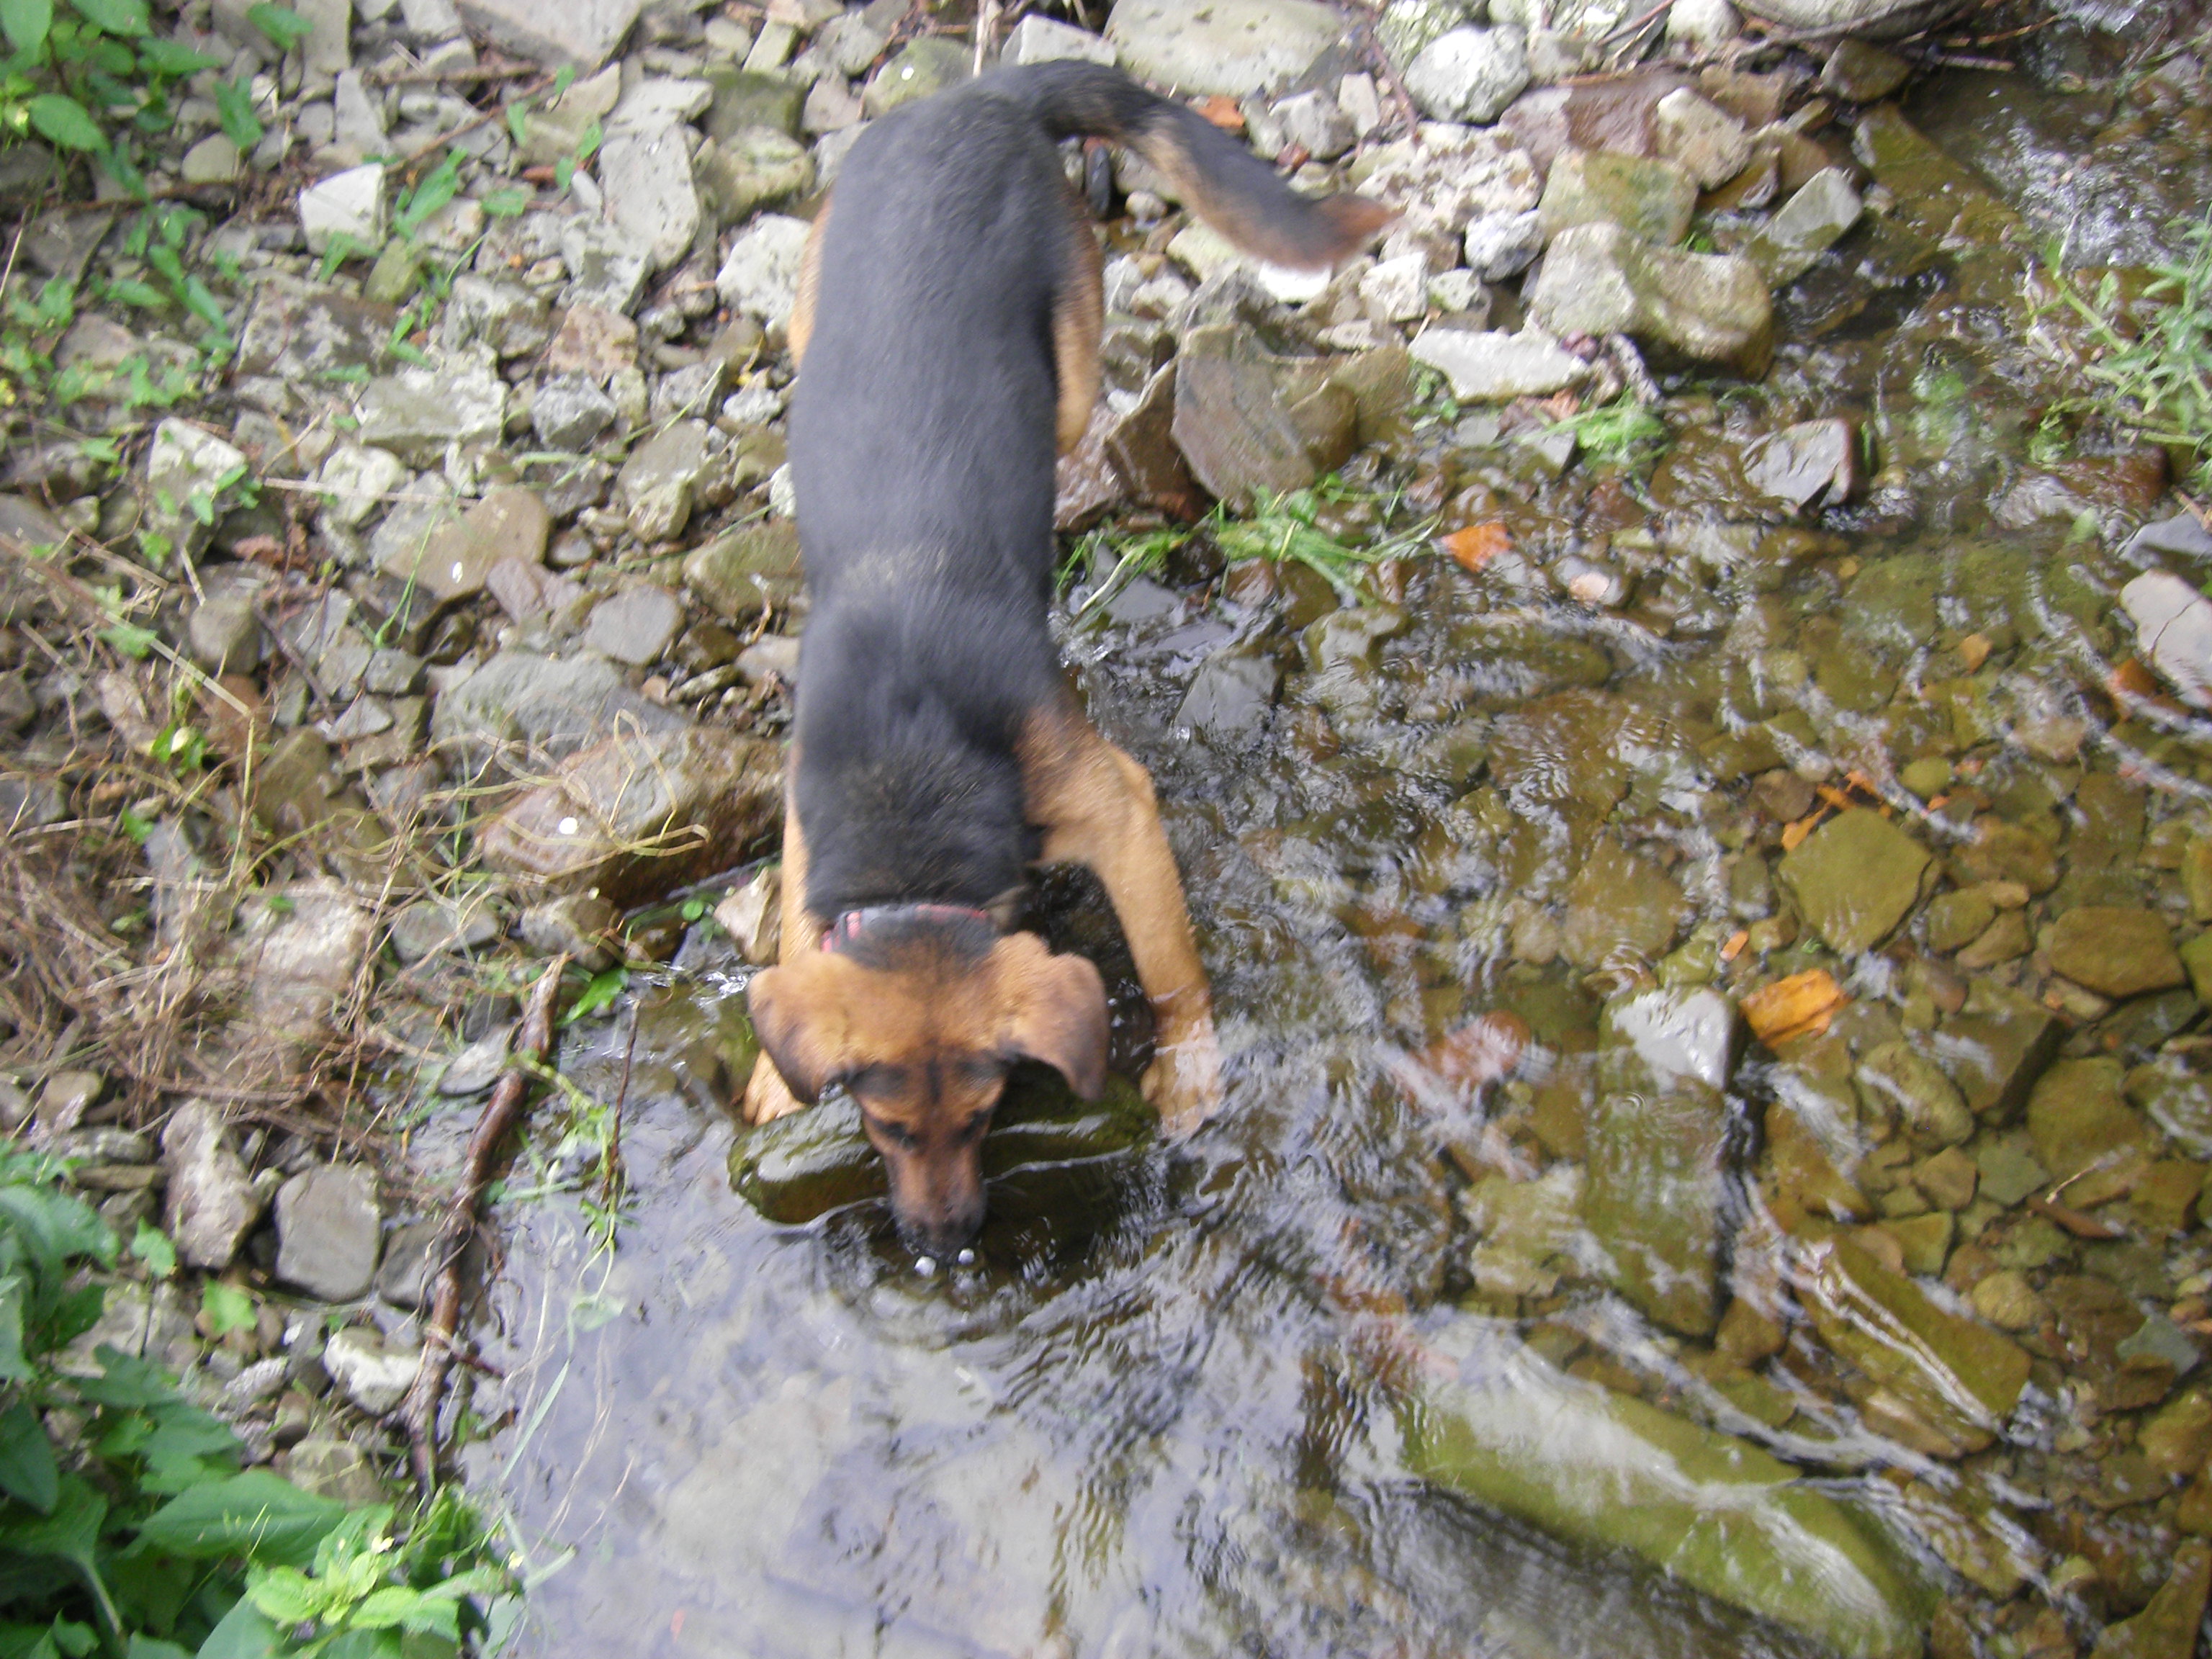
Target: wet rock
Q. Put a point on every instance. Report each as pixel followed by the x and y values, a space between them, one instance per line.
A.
pixel 1958 918
pixel 2173 628
pixel 753 168
pixel 635 625
pixel 1854 879
pixel 1961 1377
pixel 568 411
pixel 1231 695
pixel 1470 73
pixel 578 924
pixel 1936 198
pixel 1498 367
pixel 349 204
pixel 546 707
pixel 1246 422
pixel 752 916
pixel 1812 462
pixel 407 1277
pixel 510 522
pixel 759 277
pixel 2177 1437
pixel 2175 1094
pixel 1706 142
pixel 1622 910
pixel 578 34
pixel 210 1203
pixel 743 571
pixel 1894 1077
pixel 1600 279
pixel 2009 1301
pixel 915 72
pixel 1611 1472
pixel 657 485
pixel 1650 199
pixel 329 1231
pixel 1528 1231
pixel 2115 952
pixel 642 807
pixel 2078 1115
pixel 1232 46
pixel 1878 20
pixel 375 1378
pixel 2003 852
pixel 417 412
pixel 2167 1628
pixel 1655 1131
pixel 1861 73
pixel 1812 221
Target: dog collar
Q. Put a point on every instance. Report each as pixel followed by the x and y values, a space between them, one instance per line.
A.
pixel 850 925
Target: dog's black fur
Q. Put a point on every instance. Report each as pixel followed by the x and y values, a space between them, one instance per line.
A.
pixel 923 449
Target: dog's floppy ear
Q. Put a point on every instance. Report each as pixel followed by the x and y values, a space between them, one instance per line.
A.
pixel 1054 1009
pixel 801 1021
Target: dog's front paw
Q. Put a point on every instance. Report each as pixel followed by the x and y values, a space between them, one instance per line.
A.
pixel 1183 1082
pixel 767 1097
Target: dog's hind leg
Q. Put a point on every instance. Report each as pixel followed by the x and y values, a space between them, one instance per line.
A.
pixel 1096 807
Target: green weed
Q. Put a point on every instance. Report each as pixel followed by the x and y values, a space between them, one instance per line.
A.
pixel 1623 433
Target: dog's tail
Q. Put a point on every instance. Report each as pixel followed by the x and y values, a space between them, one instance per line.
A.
pixel 1233 190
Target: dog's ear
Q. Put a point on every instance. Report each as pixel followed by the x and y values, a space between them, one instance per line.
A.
pixel 1055 1010
pixel 800 1020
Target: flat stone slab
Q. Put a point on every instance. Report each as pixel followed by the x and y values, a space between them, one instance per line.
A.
pixel 581 34
pixel 328 1232
pixel 1854 879
pixel 1234 47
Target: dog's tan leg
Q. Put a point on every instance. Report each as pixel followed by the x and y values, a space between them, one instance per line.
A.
pixel 1078 312
pixel 801 328
pixel 1096 807
pixel 767 1095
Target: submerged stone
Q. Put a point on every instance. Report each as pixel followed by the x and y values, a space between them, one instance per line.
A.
pixel 2078 1115
pixel 1961 1377
pixel 2115 952
pixel 1812 221
pixel 1854 879
pixel 2167 1628
pixel 1605 1470
pixel 1621 907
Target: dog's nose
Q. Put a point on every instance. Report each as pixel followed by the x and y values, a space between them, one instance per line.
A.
pixel 943 1234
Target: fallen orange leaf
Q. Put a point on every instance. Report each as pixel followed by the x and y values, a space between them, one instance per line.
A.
pixel 1835 797
pixel 1478 545
pixel 1736 941
pixel 1221 110
pixel 1800 1005
pixel 1480 1052
pixel 1974 651
pixel 1792 833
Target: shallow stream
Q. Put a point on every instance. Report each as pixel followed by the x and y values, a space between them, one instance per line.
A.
pixel 1167 1409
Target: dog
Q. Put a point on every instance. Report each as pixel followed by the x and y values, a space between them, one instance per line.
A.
pixel 947 328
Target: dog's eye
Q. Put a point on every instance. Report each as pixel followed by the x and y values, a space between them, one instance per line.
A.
pixel 976 1123
pixel 897 1134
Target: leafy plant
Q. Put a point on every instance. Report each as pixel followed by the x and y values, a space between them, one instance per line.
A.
pixel 147 1540
pixel 1621 433
pixel 88 77
pixel 1283 527
pixel 2151 351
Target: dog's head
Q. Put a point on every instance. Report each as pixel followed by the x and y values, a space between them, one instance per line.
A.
pixel 920 1014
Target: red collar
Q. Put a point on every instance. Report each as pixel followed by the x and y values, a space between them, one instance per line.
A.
pixel 851 923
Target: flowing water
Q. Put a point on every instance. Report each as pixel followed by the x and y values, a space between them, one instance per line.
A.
pixel 1168 1409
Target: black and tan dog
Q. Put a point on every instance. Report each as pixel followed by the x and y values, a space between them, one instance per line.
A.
pixel 949 319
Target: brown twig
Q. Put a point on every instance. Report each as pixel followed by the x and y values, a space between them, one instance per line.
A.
pixel 501 1113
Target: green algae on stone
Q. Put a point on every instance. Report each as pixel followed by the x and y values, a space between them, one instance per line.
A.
pixel 1655 1134
pixel 2167 1628
pixel 1715 1512
pixel 2115 952
pixel 1650 198
pixel 1936 195
pixel 2078 1116
pixel 2006 852
pixel 1528 1228
pixel 1963 1377
pixel 2178 1097
pixel 1621 906
pixel 1959 917
pixel 1854 879
pixel 2196 962
pixel 1893 1075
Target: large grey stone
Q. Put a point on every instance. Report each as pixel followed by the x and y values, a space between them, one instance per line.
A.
pixel 348 204
pixel 657 484
pixel 452 562
pixel 919 69
pixel 547 707
pixel 1232 46
pixel 569 411
pixel 1601 279
pixel 1813 220
pixel 190 474
pixel 417 412
pixel 210 1203
pixel 1874 20
pixel 607 265
pixel 375 1378
pixel 1470 73
pixel 647 179
pixel 759 277
pixel 1498 367
pixel 2173 627
pixel 1041 40
pixel 753 168
pixel 635 625
pixel 329 1231
pixel 1652 199
pixel 580 35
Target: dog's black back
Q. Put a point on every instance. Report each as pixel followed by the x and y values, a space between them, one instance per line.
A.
pixel 922 448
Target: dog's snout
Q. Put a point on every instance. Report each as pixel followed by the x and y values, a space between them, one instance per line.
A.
pixel 938 1203
pixel 943 1236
